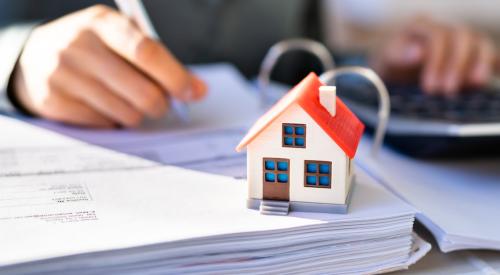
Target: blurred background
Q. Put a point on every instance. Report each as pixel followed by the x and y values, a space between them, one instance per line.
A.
pixel 242 31
pixel 439 58
pixel 361 24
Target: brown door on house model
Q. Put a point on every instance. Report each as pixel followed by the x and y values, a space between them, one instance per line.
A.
pixel 276 179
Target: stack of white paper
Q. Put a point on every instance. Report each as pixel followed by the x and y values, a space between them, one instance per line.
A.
pixel 165 219
pixel 124 215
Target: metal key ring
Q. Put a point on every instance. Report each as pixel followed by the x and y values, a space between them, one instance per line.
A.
pixel 383 96
pixel 315 48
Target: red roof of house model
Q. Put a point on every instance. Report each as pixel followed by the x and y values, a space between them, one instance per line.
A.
pixel 344 128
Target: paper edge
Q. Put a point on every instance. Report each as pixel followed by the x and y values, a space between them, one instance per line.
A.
pixel 419 249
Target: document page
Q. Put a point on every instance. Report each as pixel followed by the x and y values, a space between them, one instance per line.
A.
pixel 39 160
pixel 45 193
pixel 30 150
pixel 458 200
pixel 207 150
pixel 26 150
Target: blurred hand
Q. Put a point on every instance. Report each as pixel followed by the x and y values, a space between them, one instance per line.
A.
pixel 96 68
pixel 443 58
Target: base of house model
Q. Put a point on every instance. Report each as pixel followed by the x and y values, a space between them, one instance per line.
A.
pixel 282 208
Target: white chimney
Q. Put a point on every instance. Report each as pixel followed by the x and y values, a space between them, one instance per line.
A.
pixel 328 98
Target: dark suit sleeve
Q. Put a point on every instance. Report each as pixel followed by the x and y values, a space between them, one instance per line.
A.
pixel 12 40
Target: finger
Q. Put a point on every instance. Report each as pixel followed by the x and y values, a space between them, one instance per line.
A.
pixel 100 98
pixel 123 37
pixel 400 52
pixel 120 77
pixel 497 63
pixel 436 41
pixel 399 63
pixel 483 66
pixel 435 60
pixel 462 52
pixel 68 110
pixel 199 86
pixel 404 52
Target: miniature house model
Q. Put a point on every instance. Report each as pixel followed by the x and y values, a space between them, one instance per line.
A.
pixel 299 154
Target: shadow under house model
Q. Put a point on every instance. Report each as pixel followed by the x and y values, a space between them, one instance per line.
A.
pixel 299 154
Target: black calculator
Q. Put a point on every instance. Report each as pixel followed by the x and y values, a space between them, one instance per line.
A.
pixel 425 125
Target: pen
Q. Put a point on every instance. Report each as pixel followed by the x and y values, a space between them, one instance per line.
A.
pixel 135 10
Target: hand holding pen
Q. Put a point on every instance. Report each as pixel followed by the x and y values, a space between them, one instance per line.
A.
pixel 96 68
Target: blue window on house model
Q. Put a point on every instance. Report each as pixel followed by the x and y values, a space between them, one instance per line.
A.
pixel 276 170
pixel 294 135
pixel 318 174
